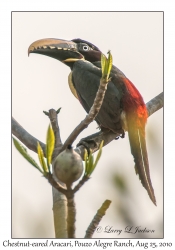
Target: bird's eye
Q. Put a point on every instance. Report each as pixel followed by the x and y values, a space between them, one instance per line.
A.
pixel 85 48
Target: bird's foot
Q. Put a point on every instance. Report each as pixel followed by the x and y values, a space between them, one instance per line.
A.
pixel 89 142
pixel 85 144
pixel 121 136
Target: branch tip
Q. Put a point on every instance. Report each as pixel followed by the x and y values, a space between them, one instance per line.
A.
pixel 97 218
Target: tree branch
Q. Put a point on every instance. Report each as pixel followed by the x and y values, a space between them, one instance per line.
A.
pixel 155 104
pixel 27 139
pixel 71 217
pixel 54 122
pixel 53 116
pixel 97 218
pixel 80 184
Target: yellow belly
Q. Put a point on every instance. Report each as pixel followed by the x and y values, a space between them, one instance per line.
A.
pixel 71 86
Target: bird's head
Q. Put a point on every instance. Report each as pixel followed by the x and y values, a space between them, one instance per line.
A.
pixel 65 51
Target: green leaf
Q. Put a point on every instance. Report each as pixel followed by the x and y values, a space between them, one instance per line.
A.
pixel 58 111
pixel 103 64
pixel 109 64
pixel 91 164
pixel 99 154
pixel 41 158
pixel 85 154
pixel 85 159
pixel 106 65
pixel 22 150
pixel 50 142
pixel 89 161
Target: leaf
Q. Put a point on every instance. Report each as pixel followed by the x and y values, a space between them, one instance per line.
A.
pixel 103 64
pixel 106 65
pixel 85 154
pixel 99 154
pixel 41 158
pixel 86 159
pixel 109 64
pixel 89 160
pixel 91 164
pixel 58 111
pixel 50 142
pixel 22 150
pixel 88 163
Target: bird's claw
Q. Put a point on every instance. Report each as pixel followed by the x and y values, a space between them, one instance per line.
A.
pixel 121 136
pixel 84 144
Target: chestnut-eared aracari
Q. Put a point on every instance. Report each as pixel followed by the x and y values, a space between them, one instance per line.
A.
pixel 123 108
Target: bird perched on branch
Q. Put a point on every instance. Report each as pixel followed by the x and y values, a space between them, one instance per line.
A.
pixel 123 108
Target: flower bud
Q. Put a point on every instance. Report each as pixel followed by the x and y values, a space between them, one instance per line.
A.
pixel 68 166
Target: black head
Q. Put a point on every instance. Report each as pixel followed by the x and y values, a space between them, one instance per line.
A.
pixel 90 52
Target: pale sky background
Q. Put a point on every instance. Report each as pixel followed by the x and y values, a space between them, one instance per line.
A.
pixel 40 83
pixel 136 44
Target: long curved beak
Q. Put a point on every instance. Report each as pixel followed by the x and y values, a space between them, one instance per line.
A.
pixel 62 50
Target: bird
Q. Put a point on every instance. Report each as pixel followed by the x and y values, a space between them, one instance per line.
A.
pixel 123 108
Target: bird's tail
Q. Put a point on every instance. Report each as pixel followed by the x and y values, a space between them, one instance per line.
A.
pixel 139 151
